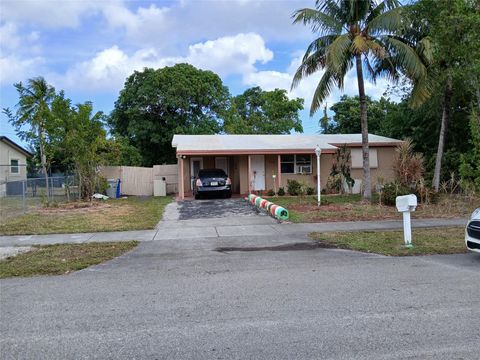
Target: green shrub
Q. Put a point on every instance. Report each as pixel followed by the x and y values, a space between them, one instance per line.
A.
pixel 101 185
pixel 392 190
pixel 334 184
pixel 294 188
pixel 281 191
pixel 310 190
pixel 270 192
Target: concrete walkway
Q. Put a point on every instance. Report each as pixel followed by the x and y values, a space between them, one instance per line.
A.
pixel 216 228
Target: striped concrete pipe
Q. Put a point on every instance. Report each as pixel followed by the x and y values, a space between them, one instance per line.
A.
pixel 281 213
pixel 272 209
pixel 263 203
pixel 269 206
pixel 276 211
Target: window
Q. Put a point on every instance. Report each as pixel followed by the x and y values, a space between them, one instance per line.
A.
pixel 303 164
pixel 296 164
pixel 288 164
pixel 14 166
pixel 357 158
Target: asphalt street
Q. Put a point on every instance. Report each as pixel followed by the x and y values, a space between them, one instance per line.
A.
pixel 183 299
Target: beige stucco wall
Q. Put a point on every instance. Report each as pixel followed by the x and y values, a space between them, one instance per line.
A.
pixel 384 170
pixel 6 154
pixel 238 169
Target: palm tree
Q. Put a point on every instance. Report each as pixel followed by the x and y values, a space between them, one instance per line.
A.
pixel 33 109
pixel 364 34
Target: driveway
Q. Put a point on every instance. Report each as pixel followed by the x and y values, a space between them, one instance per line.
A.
pixel 216 208
pixel 186 300
pixel 197 219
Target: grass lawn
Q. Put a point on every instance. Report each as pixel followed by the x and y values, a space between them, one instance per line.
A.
pixel 425 241
pixel 133 213
pixel 351 208
pixel 62 258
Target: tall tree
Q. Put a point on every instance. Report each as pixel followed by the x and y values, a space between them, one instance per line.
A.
pixel 364 35
pixel 33 109
pixel 263 112
pixel 155 104
pixel 453 27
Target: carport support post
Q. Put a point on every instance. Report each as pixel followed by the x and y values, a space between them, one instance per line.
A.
pixel 249 174
pixel 318 152
pixel 181 190
pixel 279 172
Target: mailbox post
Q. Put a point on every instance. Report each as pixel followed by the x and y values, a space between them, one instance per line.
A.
pixel 406 204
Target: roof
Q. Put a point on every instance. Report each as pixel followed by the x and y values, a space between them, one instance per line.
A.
pixel 14 145
pixel 276 144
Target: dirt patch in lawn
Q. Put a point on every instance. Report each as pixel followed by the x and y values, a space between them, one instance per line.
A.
pixel 352 208
pixel 76 207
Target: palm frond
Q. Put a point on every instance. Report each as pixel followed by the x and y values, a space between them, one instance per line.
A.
pixel 340 75
pixel 324 88
pixel 424 49
pixel 422 90
pixel 376 49
pixel 338 50
pixel 405 57
pixel 310 65
pixel 319 45
pixel 386 22
pixel 317 20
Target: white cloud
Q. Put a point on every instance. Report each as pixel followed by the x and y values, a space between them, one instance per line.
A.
pixel 51 13
pixel 9 38
pixel 16 69
pixel 230 54
pixel 270 80
pixel 108 68
pixel 18 58
pixel 191 21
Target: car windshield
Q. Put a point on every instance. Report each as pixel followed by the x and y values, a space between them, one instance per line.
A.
pixel 212 173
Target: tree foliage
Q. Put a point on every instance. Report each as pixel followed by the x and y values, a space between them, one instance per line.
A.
pixel 346 118
pixel 33 110
pixel 366 35
pixel 263 112
pixel 155 104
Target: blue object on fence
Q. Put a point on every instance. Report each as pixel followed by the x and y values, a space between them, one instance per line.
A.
pixel 118 189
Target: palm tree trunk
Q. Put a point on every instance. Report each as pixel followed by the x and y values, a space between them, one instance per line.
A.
pixel 367 181
pixel 443 132
pixel 43 158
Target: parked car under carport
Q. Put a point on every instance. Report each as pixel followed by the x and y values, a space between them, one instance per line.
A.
pixel 212 182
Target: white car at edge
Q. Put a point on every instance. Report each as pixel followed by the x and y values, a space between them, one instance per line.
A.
pixel 472 232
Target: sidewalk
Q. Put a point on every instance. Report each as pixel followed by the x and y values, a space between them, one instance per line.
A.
pixel 184 229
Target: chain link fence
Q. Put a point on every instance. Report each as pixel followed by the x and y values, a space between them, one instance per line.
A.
pixel 20 197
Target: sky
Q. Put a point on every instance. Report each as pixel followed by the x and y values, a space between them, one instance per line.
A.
pixel 89 47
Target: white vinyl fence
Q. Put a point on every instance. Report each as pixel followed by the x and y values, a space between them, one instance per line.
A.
pixel 138 181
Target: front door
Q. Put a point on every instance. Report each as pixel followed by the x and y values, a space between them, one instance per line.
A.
pixel 196 163
pixel 258 172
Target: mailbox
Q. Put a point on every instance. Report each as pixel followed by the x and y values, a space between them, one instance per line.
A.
pixel 406 203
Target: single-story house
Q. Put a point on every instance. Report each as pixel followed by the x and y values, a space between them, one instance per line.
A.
pixel 257 163
pixel 13 162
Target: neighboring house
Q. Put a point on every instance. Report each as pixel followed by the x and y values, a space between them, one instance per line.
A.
pixel 13 162
pixel 251 160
